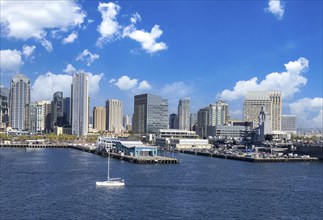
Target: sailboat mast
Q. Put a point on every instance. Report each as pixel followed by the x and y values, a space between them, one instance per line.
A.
pixel 108 164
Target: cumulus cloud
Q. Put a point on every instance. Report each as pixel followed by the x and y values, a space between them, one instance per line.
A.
pixel 70 38
pixel 289 82
pixel 32 19
pixel 109 26
pixel 112 81
pixel 144 85
pixel 125 83
pixel 52 83
pixel 309 112
pixel 10 61
pixel 28 51
pixel 276 8
pixel 70 69
pixel 146 39
pixel 88 57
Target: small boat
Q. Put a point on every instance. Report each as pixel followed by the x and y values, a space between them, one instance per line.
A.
pixel 110 181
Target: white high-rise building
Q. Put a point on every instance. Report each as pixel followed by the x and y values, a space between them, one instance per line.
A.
pixel 18 98
pixel 114 115
pixel 272 101
pixel 80 104
pixel 41 114
pixel 184 114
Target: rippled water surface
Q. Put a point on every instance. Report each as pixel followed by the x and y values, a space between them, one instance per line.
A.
pixel 60 184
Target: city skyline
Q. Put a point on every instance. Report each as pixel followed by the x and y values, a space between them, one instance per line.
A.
pixel 212 51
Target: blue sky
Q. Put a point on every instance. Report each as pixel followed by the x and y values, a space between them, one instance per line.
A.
pixel 205 50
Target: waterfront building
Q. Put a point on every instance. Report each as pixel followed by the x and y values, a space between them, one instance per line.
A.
pixel 184 114
pixel 193 121
pixel 182 144
pixel 127 122
pixel 164 136
pixel 99 118
pixel 57 110
pixel 30 123
pixel 173 121
pixel 114 114
pixel 271 100
pixel 66 111
pixel 150 114
pixel 202 122
pixel 18 98
pixel 289 123
pixel 41 114
pixel 228 131
pixel 4 107
pixel 80 104
pixel 135 148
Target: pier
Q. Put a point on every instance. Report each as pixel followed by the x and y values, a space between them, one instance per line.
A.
pixel 251 159
pixel 92 149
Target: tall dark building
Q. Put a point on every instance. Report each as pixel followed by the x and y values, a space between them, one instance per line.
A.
pixel 173 121
pixel 150 114
pixel 66 111
pixel 4 107
pixel 57 109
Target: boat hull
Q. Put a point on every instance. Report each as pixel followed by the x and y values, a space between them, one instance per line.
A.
pixel 110 183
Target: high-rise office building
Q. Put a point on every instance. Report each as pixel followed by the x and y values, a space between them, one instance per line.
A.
pixel 99 118
pixel 57 109
pixel 4 107
pixel 202 122
pixel 173 121
pixel 150 114
pixel 289 123
pixel 66 111
pixel 80 98
pixel 272 101
pixel 222 113
pixel 193 121
pixel 184 114
pixel 18 98
pixel 42 108
pixel 127 122
pixel 31 117
pixel 114 114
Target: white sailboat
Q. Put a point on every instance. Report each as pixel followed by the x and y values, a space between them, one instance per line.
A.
pixel 110 181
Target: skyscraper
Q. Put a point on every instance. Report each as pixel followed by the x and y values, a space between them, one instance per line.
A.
pixel 18 98
pixel 289 123
pixel 114 114
pixel 57 109
pixel 31 117
pixel 66 110
pixel 222 113
pixel 80 100
pixel 4 107
pixel 184 114
pixel 150 114
pixel 272 101
pixel 42 112
pixel 173 121
pixel 127 121
pixel 99 118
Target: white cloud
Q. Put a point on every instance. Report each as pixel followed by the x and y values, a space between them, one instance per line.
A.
pixel 32 19
pixel 70 69
pixel 10 61
pixel 70 38
pixel 146 39
pixel 125 83
pixel 276 8
pixel 52 83
pixel 112 81
pixel 90 21
pixel 88 56
pixel 135 17
pixel 179 89
pixel 144 85
pixel 289 82
pixel 309 112
pixel 28 51
pixel 109 26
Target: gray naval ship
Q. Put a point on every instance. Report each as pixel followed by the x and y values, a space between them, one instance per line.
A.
pixel 314 150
